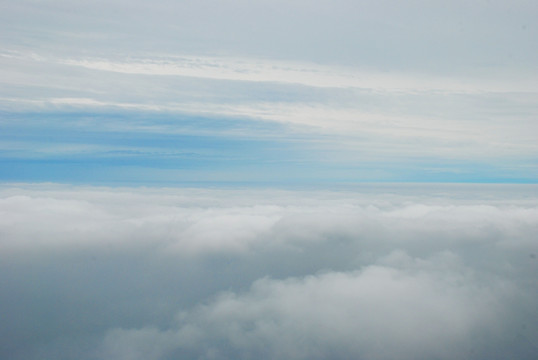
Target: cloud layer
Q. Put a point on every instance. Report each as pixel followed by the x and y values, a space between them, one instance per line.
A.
pixel 378 272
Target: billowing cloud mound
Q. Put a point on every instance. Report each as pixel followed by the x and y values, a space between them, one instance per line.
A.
pixel 379 272
pixel 380 312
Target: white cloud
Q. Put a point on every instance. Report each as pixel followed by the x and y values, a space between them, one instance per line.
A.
pixel 264 70
pixel 399 308
pixel 177 220
pixel 379 312
pixel 363 112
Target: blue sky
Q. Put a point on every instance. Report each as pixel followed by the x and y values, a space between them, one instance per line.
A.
pixel 268 92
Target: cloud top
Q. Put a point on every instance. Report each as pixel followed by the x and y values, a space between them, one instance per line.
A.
pixel 379 272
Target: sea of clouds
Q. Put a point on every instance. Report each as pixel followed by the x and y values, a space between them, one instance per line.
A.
pixel 370 272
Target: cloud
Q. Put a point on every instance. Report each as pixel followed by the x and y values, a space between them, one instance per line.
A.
pixel 358 113
pixel 268 91
pixel 381 271
pixel 386 34
pixel 426 309
pixel 308 74
pixel 241 221
pixel 344 84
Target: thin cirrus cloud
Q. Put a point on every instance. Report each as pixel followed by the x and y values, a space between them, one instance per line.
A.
pixel 260 70
pixel 349 91
pixel 321 109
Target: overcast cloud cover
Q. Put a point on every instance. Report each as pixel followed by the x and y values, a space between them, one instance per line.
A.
pixel 232 179
pixel 376 272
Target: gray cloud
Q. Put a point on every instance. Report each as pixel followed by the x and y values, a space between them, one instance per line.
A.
pixel 428 308
pixel 384 271
pixel 460 36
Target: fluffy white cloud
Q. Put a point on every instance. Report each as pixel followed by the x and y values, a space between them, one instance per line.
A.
pixel 425 309
pixel 215 220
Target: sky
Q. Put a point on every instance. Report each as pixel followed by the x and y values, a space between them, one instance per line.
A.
pixel 268 92
pixel 267 180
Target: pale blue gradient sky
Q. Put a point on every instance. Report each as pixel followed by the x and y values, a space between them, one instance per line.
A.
pixel 273 92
